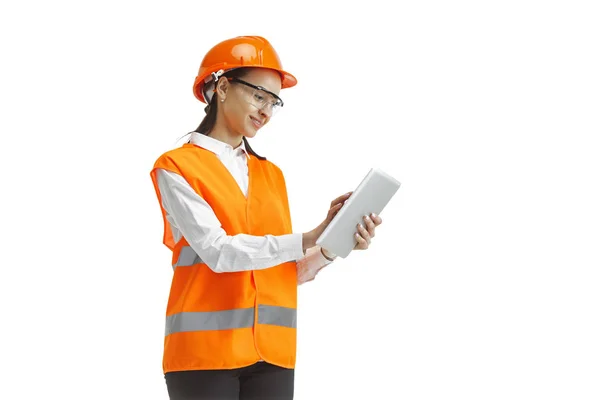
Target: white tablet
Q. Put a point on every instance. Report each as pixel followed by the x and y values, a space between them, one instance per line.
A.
pixel 371 196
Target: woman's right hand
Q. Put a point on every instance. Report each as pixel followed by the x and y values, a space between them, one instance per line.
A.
pixel 309 239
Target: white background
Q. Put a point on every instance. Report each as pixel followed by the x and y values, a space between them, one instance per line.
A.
pixel 482 282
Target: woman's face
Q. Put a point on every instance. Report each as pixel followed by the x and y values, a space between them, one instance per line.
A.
pixel 246 109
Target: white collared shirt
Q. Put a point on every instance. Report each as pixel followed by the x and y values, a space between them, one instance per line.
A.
pixel 191 216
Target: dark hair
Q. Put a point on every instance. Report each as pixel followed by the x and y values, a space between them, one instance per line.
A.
pixel 208 123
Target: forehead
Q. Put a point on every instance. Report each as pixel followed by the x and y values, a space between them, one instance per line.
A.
pixel 267 78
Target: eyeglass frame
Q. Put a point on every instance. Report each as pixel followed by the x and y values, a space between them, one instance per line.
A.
pixel 238 80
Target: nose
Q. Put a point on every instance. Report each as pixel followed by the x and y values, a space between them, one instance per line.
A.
pixel 266 111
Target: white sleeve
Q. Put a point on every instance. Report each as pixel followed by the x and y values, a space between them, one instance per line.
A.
pixel 197 222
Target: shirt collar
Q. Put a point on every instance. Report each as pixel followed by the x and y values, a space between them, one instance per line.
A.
pixel 216 146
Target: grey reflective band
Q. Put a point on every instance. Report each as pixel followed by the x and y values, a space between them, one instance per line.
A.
pixel 187 258
pixel 230 319
pixel 209 320
pixel 280 316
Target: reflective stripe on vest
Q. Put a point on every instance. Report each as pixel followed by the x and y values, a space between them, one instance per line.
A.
pixel 187 258
pixel 230 319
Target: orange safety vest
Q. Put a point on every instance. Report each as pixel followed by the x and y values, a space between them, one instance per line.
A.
pixel 232 319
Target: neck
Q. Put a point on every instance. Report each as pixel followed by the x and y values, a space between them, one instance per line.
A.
pixel 222 132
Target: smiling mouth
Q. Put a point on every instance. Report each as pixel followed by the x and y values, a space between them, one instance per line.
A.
pixel 256 122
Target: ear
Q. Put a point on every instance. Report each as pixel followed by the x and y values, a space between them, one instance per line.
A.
pixel 222 88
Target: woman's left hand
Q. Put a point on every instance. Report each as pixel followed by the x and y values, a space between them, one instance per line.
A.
pixel 364 236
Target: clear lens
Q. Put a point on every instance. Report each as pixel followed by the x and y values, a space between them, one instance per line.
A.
pixel 259 98
pixel 263 101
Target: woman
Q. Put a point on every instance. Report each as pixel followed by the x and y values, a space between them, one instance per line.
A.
pixel 231 313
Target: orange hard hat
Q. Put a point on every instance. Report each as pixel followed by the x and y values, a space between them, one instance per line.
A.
pixel 241 51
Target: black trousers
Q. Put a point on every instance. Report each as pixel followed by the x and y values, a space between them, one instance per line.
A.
pixel 258 381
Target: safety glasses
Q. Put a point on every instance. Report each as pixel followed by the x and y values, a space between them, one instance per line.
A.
pixel 260 97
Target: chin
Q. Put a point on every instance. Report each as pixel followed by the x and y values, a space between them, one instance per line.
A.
pixel 250 132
